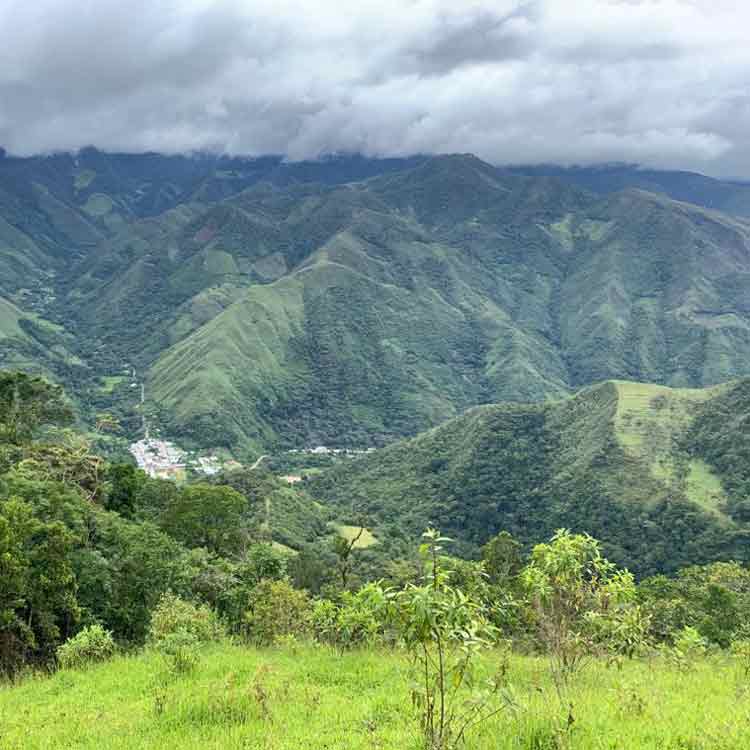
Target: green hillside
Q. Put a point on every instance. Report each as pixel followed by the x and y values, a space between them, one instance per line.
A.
pixel 634 465
pixel 354 301
pixel 452 284
pixel 311 697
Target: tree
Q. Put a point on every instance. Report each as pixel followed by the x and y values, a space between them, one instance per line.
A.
pixel 124 483
pixel 713 598
pixel 503 563
pixel 503 559
pixel 124 575
pixel 28 402
pixel 38 606
pixel 343 546
pixel 68 460
pixel 276 609
pixel 106 422
pixel 444 630
pixel 207 516
pixel 582 603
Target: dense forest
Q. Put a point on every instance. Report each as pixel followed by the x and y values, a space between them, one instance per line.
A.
pixel 85 542
pixel 659 475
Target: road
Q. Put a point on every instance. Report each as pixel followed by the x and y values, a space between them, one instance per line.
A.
pixel 257 463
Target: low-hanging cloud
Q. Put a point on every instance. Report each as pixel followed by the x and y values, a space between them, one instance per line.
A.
pixel 660 82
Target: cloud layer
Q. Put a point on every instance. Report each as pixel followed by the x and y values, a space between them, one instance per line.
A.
pixel 661 82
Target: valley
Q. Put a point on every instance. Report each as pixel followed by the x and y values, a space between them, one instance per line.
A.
pixel 267 393
pixel 375 376
pixel 352 302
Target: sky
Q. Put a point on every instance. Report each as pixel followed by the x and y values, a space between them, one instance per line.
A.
pixel 664 83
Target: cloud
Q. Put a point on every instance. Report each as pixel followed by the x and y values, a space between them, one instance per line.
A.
pixel 661 82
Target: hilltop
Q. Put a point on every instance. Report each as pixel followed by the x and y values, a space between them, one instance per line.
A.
pixel 658 474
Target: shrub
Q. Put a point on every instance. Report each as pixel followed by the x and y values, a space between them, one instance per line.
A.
pixel 324 621
pixel 583 605
pixel 181 650
pixel 276 609
pixel 92 644
pixel 444 630
pixel 180 628
pixel 357 619
pixel 740 650
pixel 689 646
pixel 175 615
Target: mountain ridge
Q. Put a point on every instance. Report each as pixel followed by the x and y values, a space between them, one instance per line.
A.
pixel 264 309
pixel 618 460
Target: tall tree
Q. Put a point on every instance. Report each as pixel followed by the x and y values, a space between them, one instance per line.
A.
pixel 28 402
pixel 206 516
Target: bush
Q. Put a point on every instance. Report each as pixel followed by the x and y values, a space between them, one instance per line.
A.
pixel 583 605
pixel 740 650
pixel 357 619
pixel 689 646
pixel 181 650
pixel 92 644
pixel 180 628
pixel 276 609
pixel 174 615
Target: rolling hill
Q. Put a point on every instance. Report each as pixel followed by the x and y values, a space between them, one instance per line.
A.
pixel 660 475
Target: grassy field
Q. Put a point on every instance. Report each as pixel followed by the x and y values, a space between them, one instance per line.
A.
pixel 366 538
pixel 318 700
pixel 649 423
pixel 110 382
pixel 9 317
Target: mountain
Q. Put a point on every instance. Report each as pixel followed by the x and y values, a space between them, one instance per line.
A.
pixel 729 196
pixel 395 303
pixel 353 301
pixel 660 475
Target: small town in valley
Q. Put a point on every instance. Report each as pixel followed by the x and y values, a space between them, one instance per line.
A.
pixel 165 460
pixel 159 458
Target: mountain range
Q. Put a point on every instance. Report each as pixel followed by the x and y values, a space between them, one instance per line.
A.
pixel 353 301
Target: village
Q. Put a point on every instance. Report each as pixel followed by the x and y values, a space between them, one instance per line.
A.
pixel 162 459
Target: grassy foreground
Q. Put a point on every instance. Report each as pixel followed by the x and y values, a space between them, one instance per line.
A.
pixel 317 700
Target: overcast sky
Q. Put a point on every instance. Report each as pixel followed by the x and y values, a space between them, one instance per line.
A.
pixel 660 82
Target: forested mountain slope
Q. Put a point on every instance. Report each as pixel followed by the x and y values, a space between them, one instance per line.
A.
pixel 660 475
pixel 730 196
pixel 403 300
pixel 353 301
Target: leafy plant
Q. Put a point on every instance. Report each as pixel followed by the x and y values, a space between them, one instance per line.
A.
pixel 740 650
pixel 689 645
pixel 181 649
pixel 276 609
pixel 444 631
pixel 583 604
pixel 92 644
pixel 173 615
pixel 179 629
pixel 355 619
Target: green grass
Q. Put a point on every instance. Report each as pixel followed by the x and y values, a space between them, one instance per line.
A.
pixel 650 421
pixel 315 699
pixel 82 178
pixel 644 409
pixel 350 532
pixel 9 317
pixel 703 486
pixel 219 262
pixel 98 204
pixel 110 382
